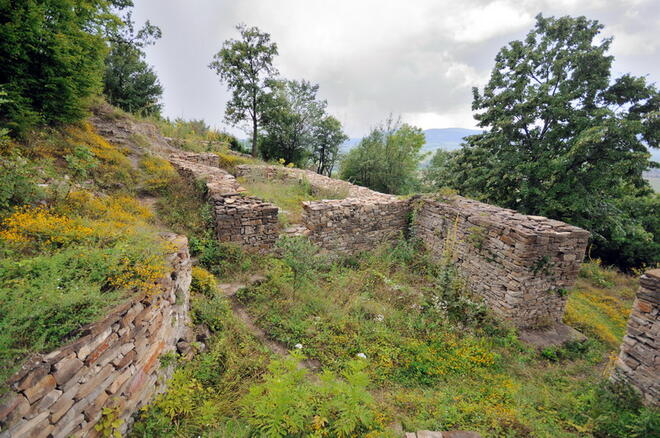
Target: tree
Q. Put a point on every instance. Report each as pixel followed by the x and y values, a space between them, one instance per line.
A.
pixel 439 171
pixel 291 113
pixel 564 140
pixel 246 65
pixel 52 54
pixel 129 82
pixel 327 137
pixel 387 159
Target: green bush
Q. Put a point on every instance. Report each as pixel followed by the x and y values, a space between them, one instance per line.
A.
pixel 17 186
pixel 286 404
pixel 618 412
pixel 203 282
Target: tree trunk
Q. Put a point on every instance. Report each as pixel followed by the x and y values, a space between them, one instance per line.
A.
pixel 254 137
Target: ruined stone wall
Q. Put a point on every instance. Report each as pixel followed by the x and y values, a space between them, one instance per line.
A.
pixel 359 221
pixel 244 220
pixel 354 224
pixel 639 359
pixel 522 265
pixel 114 363
pixel 320 184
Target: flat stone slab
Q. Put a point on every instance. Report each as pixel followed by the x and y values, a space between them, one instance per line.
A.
pixel 552 336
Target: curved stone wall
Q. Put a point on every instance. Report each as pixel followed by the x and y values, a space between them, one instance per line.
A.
pixel 114 363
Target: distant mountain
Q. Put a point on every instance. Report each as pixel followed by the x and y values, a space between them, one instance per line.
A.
pixel 446 138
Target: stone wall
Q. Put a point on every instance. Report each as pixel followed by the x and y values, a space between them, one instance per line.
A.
pixel 244 220
pixel 352 225
pixel 639 359
pixel 359 221
pixel 521 265
pixel 320 184
pixel 114 363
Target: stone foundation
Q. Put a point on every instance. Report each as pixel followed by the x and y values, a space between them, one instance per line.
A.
pixel 244 220
pixel 114 363
pixel 521 265
pixel 638 363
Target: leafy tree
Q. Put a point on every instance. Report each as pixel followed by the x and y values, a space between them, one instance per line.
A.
pixel 129 82
pixel 246 65
pixel 440 169
pixel 291 113
pixel 564 140
pixel 387 159
pixel 327 137
pixel 52 54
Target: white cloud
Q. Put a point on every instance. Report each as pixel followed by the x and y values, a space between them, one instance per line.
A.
pixel 416 58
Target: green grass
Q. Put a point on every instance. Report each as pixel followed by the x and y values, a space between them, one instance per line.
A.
pixel 600 303
pixel 287 195
pixel 436 358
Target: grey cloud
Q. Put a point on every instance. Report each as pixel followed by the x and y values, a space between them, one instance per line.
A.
pixel 373 57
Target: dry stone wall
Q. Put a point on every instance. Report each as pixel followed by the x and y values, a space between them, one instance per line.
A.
pixel 359 222
pixel 639 359
pixel 522 265
pixel 114 363
pixel 355 224
pixel 244 220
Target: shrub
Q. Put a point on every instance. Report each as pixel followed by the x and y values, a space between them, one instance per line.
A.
pixel 618 413
pixel 17 186
pixel 230 161
pixel 203 282
pixel 159 173
pixel 302 256
pixel 287 404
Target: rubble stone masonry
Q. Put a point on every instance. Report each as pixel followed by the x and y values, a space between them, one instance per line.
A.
pixel 639 359
pixel 522 265
pixel 359 222
pixel 244 220
pixel 114 363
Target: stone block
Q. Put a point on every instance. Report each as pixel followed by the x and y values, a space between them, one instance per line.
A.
pixel 40 388
pixel 66 368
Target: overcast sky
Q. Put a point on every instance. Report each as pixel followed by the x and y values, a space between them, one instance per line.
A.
pixel 416 58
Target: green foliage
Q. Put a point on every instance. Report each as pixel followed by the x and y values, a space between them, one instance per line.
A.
pixel 203 282
pixel 17 186
pixel 56 48
pixel 246 65
pixel 564 140
pixel 109 425
pixel 81 161
pixel 129 82
pixel 286 404
pixel 297 128
pixel 328 136
pixel 618 412
pixel 302 256
pixel 159 174
pixel 387 159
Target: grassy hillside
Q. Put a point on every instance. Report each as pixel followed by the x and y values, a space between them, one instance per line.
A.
pixel 383 341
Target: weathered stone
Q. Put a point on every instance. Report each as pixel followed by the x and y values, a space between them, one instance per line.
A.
pixel 428 434
pixel 14 406
pixel 34 428
pixel 66 368
pixel 40 388
pixel 94 382
pixel 48 399
pixel 639 358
